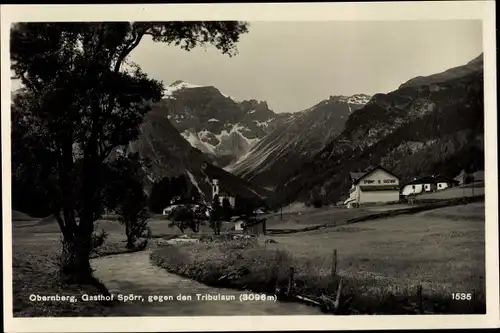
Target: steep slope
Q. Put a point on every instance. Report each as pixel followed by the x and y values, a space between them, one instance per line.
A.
pixel 301 136
pixel 216 124
pixel 170 155
pixel 472 66
pixel 436 128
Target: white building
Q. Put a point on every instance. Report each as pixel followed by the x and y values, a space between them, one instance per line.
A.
pixel 426 184
pixel 375 186
pixel 222 194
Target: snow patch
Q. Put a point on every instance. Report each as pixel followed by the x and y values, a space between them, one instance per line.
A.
pixel 178 85
pixel 224 133
pixel 354 99
pixel 263 123
pixel 212 120
pixel 194 141
pixel 195 183
pixel 227 96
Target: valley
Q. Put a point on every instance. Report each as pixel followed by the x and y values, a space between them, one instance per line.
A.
pixel 340 180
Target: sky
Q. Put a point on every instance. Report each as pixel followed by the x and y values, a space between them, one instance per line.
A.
pixel 294 65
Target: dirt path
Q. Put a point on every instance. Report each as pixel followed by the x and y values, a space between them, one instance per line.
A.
pixel 133 273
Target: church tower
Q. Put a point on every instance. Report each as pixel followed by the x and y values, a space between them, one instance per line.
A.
pixel 215 187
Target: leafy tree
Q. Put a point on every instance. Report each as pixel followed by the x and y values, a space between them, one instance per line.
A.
pixel 226 209
pixel 83 103
pixel 165 190
pixel 124 193
pixel 181 217
pixel 216 215
pixel 187 217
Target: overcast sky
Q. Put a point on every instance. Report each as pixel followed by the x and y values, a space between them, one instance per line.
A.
pixel 293 66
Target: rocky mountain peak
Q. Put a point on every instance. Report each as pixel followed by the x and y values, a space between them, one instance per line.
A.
pixel 354 99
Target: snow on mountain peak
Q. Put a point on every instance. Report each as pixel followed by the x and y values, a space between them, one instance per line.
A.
pixel 354 99
pixel 178 85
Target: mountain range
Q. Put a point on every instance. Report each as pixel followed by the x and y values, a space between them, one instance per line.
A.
pixel 278 155
pixel 216 124
pixel 170 155
pixel 429 125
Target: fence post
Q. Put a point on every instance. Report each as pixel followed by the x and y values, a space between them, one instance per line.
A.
pixel 420 300
pixel 337 298
pixel 290 282
pixel 334 263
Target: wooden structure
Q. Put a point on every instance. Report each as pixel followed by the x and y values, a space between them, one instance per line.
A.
pixel 255 227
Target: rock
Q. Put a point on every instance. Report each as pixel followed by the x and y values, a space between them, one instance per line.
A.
pixel 182 240
pixel 160 242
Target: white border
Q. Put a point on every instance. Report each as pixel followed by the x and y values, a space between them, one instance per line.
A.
pixel 440 10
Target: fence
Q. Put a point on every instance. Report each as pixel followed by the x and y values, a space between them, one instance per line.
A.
pixel 332 303
pixel 256 228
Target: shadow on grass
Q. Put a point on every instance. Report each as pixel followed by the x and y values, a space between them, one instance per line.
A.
pixel 35 271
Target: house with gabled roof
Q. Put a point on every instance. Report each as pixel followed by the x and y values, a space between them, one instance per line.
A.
pixel 377 185
pixel 427 184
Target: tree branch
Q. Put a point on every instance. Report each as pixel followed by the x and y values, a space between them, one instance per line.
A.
pixel 129 48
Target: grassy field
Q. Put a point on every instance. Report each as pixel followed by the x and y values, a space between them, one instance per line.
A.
pixel 35 249
pixel 441 250
pixel 324 215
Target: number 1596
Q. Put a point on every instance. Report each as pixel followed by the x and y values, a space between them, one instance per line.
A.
pixel 461 296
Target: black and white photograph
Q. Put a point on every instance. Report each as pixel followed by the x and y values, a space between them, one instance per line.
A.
pixel 239 166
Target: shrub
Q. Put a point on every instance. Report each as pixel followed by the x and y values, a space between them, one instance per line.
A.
pixel 317 203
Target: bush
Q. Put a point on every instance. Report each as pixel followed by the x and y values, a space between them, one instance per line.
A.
pixel 317 203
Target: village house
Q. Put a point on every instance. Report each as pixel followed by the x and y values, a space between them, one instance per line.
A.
pixel 427 184
pixel 378 185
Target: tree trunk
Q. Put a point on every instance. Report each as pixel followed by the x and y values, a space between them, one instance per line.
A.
pixel 75 261
pixel 130 236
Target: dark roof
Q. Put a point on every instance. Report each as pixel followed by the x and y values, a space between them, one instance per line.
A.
pixel 225 193
pixel 379 188
pixel 443 178
pixel 356 176
pixel 430 180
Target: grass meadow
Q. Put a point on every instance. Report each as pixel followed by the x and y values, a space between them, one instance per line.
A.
pixel 382 262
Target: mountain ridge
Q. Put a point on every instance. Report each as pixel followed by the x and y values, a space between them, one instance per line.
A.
pixel 302 135
pixel 170 155
pixel 429 126
pixel 222 128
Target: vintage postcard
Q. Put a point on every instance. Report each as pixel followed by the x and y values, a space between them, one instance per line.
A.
pixel 249 167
